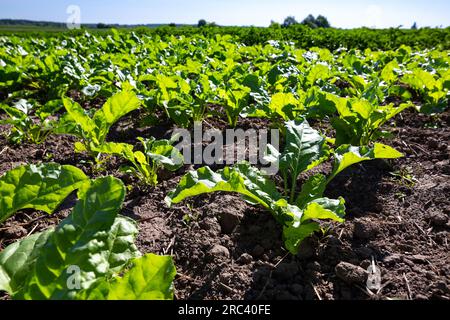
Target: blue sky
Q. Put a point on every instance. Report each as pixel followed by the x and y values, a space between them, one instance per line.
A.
pixel 343 13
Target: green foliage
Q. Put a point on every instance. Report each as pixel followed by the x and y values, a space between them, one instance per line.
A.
pixel 184 101
pixel 91 238
pixel 235 100
pixel 149 278
pixel 93 131
pixel 17 260
pixel 434 91
pixel 41 187
pixel 242 178
pixel 305 149
pixel 331 38
pixel 359 120
pixel 157 154
pixel 209 70
pixel 85 254
pixel 24 127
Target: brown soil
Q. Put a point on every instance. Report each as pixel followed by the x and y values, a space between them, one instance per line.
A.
pixel 397 214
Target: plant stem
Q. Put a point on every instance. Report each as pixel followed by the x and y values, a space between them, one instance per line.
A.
pixel 294 186
pixel 286 188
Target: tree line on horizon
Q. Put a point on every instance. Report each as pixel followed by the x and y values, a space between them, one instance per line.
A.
pixel 313 22
pixel 310 20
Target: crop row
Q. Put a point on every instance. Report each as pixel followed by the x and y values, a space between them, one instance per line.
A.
pixel 303 36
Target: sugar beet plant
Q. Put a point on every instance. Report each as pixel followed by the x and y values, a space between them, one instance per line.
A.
pixel 29 123
pixel 297 211
pixel 93 130
pixel 146 164
pixel 358 121
pixel 90 255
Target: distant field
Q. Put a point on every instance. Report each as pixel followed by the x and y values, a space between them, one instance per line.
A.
pixel 41 30
pixel 303 36
pixel 23 28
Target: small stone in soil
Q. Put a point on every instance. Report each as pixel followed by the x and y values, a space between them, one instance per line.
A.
pixel 442 285
pixel 210 224
pixel 228 221
pixel 430 275
pixel 418 258
pixel 245 258
pixel 365 264
pixel 405 247
pixel 224 277
pixel 350 273
pixel 219 251
pixel 438 219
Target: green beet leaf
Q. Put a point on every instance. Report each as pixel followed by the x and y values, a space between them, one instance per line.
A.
pixel 93 131
pixel 346 156
pixel 305 148
pixel 325 209
pixel 115 108
pixel 293 236
pixel 78 115
pixel 17 260
pixel 243 179
pixel 312 189
pixel 149 278
pixel 93 240
pixel 41 187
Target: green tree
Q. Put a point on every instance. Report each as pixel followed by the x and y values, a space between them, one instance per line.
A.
pixel 274 25
pixel 201 23
pixel 103 26
pixel 289 21
pixel 310 21
pixel 322 22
